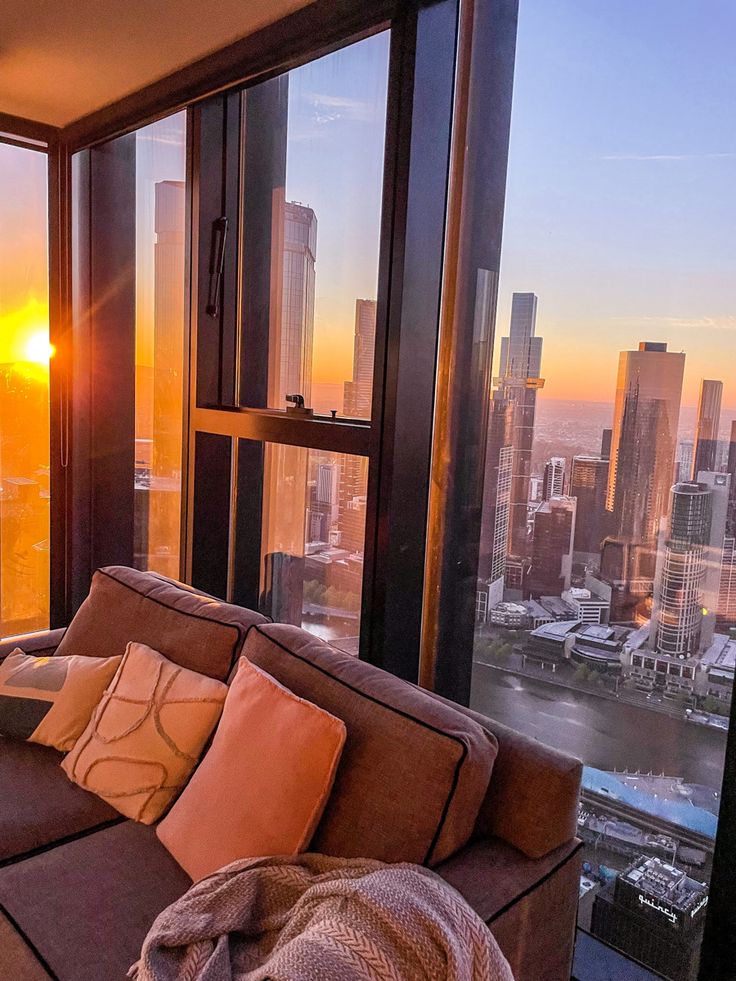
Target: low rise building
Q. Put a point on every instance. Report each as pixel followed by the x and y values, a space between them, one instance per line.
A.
pixel 550 644
pixel 656 913
pixel 587 605
pixel 599 647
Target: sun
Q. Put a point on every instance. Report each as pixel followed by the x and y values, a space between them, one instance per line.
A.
pixel 38 349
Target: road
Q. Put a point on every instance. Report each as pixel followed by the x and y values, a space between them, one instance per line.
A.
pixel 603 733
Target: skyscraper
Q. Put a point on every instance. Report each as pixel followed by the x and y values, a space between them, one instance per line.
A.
pixel 606 437
pixel 519 381
pixel 297 307
pixel 496 490
pixel 552 546
pixel 588 481
pixel 706 429
pixel 553 482
pixel 731 468
pixel 646 415
pixel 164 511
pixel 688 567
pixel 359 391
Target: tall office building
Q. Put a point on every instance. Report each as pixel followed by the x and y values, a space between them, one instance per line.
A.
pixel 553 481
pixel 324 503
pixel 297 307
pixel 606 437
pixel 688 567
pixel 706 428
pixel 519 381
pixel 731 469
pixel 494 533
pixel 684 462
pixel 646 416
pixel 358 392
pixel 588 481
pixel 552 546
pixel 163 525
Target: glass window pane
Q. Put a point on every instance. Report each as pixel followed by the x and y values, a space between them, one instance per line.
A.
pixel 606 597
pixel 313 541
pixel 324 198
pixel 24 391
pixel 160 333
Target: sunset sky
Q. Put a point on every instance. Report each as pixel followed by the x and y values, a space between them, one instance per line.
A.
pixel 23 252
pixel 621 204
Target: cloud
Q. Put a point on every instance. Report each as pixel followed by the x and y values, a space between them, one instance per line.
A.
pixel 331 107
pixel 667 156
pixel 725 322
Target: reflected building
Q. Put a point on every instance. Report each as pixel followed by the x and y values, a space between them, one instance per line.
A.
pixel 496 490
pixel 588 483
pixel 552 546
pixel 519 381
pixel 164 493
pixel 358 392
pixel 706 429
pixel 644 438
pixel 687 579
pixel 553 480
pixel 297 305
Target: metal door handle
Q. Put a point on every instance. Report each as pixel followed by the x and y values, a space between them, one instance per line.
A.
pixel 217 264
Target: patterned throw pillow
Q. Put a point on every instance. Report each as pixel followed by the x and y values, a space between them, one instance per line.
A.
pixel 50 700
pixel 147 734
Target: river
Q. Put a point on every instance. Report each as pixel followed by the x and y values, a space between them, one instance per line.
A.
pixel 603 733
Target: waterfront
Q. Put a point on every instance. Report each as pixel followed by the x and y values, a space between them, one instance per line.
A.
pixel 603 733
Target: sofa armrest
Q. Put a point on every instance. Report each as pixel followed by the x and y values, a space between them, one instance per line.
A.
pixel 532 799
pixel 43 642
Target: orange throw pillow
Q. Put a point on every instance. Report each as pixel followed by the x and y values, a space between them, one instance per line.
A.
pixel 261 788
pixel 147 734
pixel 50 700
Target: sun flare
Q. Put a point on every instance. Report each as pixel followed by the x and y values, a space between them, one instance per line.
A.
pixel 38 349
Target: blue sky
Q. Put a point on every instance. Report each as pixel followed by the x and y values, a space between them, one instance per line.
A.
pixel 621 202
pixel 337 122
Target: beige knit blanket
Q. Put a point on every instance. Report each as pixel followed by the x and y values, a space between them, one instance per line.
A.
pixel 314 918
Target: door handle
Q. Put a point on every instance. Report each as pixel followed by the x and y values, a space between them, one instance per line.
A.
pixel 217 265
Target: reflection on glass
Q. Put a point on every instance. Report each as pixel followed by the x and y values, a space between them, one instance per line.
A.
pixel 24 392
pixel 160 216
pixel 606 599
pixel 313 541
pixel 324 194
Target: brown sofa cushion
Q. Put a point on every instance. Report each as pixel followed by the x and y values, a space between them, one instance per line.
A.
pixel 193 630
pixel 38 804
pixel 86 906
pixel 413 772
pixel 529 904
pixel 18 960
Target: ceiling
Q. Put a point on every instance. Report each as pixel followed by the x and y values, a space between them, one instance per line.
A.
pixel 62 59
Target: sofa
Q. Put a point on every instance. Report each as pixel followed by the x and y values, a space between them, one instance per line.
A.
pixel 421 779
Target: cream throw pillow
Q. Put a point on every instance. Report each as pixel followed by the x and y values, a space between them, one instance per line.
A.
pixel 146 735
pixel 50 700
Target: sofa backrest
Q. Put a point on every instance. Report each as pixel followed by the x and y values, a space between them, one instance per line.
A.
pixel 190 628
pixel 414 771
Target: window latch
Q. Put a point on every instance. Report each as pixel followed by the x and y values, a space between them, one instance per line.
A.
pixel 297 406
